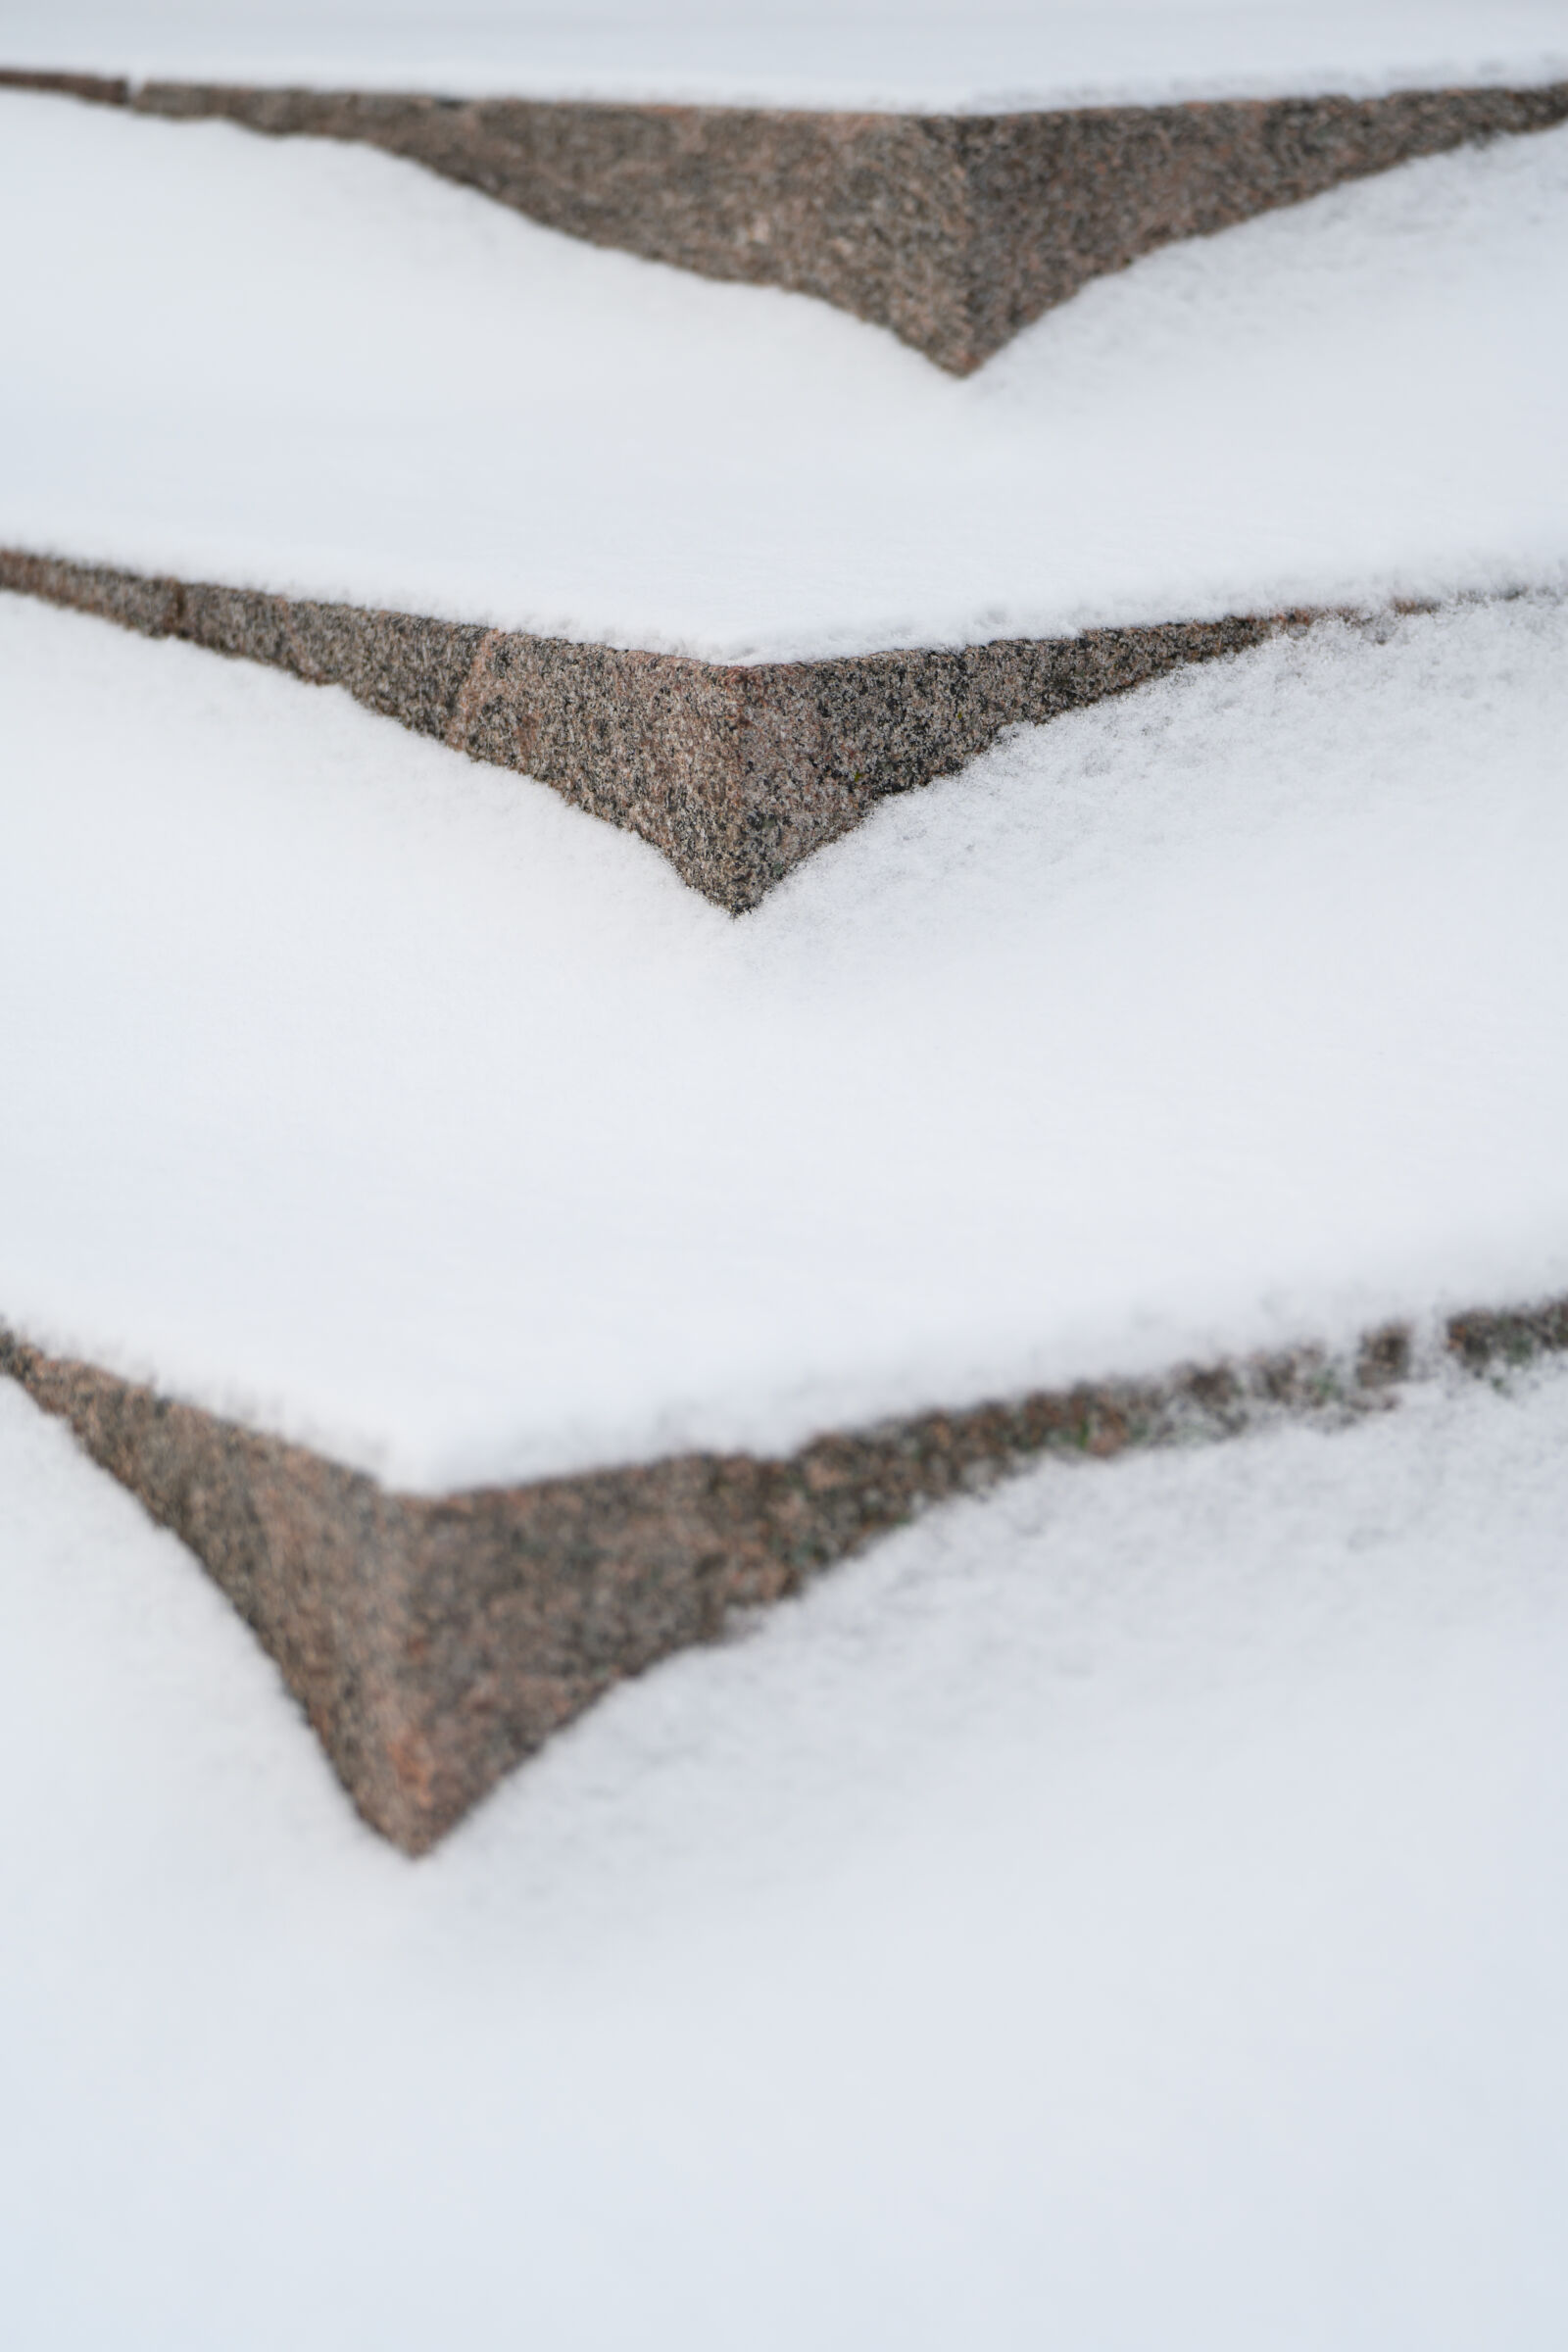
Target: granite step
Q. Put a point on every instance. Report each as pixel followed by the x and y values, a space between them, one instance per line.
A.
pixel 435 1643
pixel 734 771
pixel 953 230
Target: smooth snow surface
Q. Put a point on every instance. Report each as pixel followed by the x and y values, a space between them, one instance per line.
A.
pixel 385 1099
pixel 306 367
pixel 896 53
pixel 1127 1916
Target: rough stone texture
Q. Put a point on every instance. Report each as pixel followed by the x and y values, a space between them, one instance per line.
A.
pixel 954 231
pixel 98 89
pixel 1514 1336
pixel 735 772
pixel 434 1642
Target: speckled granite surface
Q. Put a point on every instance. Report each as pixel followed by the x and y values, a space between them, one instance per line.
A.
pixel 433 1643
pixel 735 772
pixel 954 231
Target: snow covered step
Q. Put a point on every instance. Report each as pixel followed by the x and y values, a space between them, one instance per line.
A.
pixel 734 773
pixel 436 1642
pixel 370 426
pixel 1163 1855
pixel 315 371
pixel 456 1216
pixel 954 229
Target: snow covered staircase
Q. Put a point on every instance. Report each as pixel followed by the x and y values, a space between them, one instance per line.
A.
pixel 498 1265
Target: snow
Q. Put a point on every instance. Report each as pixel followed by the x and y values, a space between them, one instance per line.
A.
pixel 855 53
pixel 386 1101
pixel 1129 1912
pixel 309 367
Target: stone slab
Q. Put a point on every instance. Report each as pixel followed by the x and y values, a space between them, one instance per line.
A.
pixel 735 772
pixel 953 230
pixel 434 1642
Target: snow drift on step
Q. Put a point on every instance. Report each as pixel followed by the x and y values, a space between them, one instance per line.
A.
pixel 890 53
pixel 389 1101
pixel 1163 1855
pixel 313 369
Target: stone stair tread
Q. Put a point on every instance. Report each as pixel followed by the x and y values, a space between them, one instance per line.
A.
pixel 448 1128
pixel 309 370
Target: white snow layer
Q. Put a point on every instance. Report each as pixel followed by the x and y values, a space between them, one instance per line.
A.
pixel 1127 1916
pixel 387 1101
pixel 306 367
pixel 844 53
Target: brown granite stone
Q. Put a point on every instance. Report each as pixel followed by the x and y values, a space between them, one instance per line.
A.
pixel 435 1641
pixel 99 89
pixel 954 231
pixel 735 772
